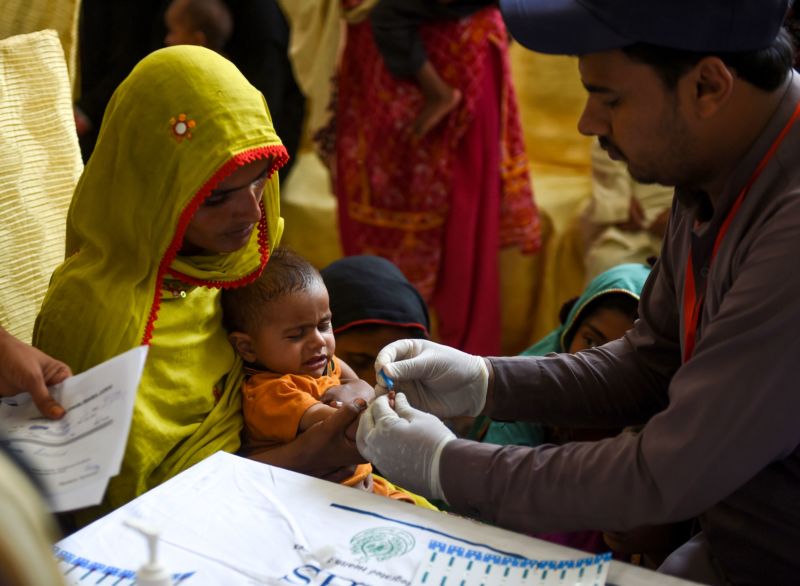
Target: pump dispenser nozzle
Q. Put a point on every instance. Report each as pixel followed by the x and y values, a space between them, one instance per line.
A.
pixel 151 573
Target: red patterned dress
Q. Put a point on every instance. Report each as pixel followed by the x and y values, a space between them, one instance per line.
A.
pixel 442 206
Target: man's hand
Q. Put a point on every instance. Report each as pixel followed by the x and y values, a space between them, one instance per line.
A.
pixel 435 378
pixel 404 444
pixel 24 368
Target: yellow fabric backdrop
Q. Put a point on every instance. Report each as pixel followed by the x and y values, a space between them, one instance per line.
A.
pixel 27 16
pixel 309 209
pixel 40 163
pixel 551 99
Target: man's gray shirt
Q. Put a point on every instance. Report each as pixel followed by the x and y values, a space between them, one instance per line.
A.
pixel 722 440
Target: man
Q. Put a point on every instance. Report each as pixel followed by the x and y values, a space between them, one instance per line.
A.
pixel 698 94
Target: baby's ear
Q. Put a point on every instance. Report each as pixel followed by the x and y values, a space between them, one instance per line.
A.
pixel 243 344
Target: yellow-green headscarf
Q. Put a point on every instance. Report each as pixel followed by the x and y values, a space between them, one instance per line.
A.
pixel 182 121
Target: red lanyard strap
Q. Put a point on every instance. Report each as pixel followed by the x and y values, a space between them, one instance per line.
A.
pixel 692 302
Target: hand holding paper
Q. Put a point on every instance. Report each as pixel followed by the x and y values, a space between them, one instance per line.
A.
pixel 28 369
pixel 75 456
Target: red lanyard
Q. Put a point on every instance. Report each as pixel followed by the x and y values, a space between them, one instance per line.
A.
pixel 692 302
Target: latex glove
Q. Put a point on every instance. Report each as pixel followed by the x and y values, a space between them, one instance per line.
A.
pixel 437 379
pixel 404 444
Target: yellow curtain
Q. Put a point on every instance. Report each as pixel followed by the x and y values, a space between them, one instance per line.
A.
pixel 27 16
pixel 40 164
pixel 307 200
pixel 551 99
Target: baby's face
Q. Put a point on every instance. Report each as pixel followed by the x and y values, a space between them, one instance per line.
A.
pixel 296 336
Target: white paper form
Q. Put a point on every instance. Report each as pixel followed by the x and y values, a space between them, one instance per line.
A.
pixel 75 456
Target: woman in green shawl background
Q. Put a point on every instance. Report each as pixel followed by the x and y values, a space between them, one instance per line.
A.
pixel 605 311
pixel 179 200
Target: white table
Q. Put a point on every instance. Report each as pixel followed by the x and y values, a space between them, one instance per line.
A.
pixel 233 521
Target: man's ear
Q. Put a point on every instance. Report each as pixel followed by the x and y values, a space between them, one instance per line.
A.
pixel 712 85
pixel 243 344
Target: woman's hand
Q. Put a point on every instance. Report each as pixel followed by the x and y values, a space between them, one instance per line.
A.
pixel 352 388
pixel 347 392
pixel 24 368
pixel 323 449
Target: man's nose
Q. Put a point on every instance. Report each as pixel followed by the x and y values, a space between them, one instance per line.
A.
pixel 592 122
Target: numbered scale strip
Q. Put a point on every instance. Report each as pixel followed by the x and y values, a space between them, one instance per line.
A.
pixel 79 570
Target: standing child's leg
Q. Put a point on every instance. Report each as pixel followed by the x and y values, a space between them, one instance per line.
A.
pixel 395 28
pixel 440 99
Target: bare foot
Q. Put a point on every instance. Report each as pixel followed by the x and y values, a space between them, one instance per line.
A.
pixel 434 110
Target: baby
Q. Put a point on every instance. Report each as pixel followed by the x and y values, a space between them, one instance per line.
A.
pixel 281 327
pixel 207 23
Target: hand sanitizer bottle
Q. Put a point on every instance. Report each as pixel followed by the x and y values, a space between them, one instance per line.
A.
pixel 151 573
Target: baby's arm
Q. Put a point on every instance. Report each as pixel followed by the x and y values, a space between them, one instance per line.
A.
pixel 317 412
pixel 351 388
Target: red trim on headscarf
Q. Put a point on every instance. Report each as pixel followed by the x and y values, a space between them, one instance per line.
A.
pixel 280 157
pixel 381 322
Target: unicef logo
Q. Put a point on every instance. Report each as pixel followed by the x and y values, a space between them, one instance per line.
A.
pixel 381 543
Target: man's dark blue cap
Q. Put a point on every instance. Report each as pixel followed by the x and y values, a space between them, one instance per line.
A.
pixel 577 27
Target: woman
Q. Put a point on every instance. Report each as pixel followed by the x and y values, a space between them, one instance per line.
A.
pixel 439 207
pixel 178 201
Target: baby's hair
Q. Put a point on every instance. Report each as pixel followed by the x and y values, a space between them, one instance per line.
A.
pixel 286 272
pixel 213 18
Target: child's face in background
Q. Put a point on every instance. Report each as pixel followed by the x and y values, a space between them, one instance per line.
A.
pixel 180 28
pixel 295 335
pixel 358 347
pixel 601 326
